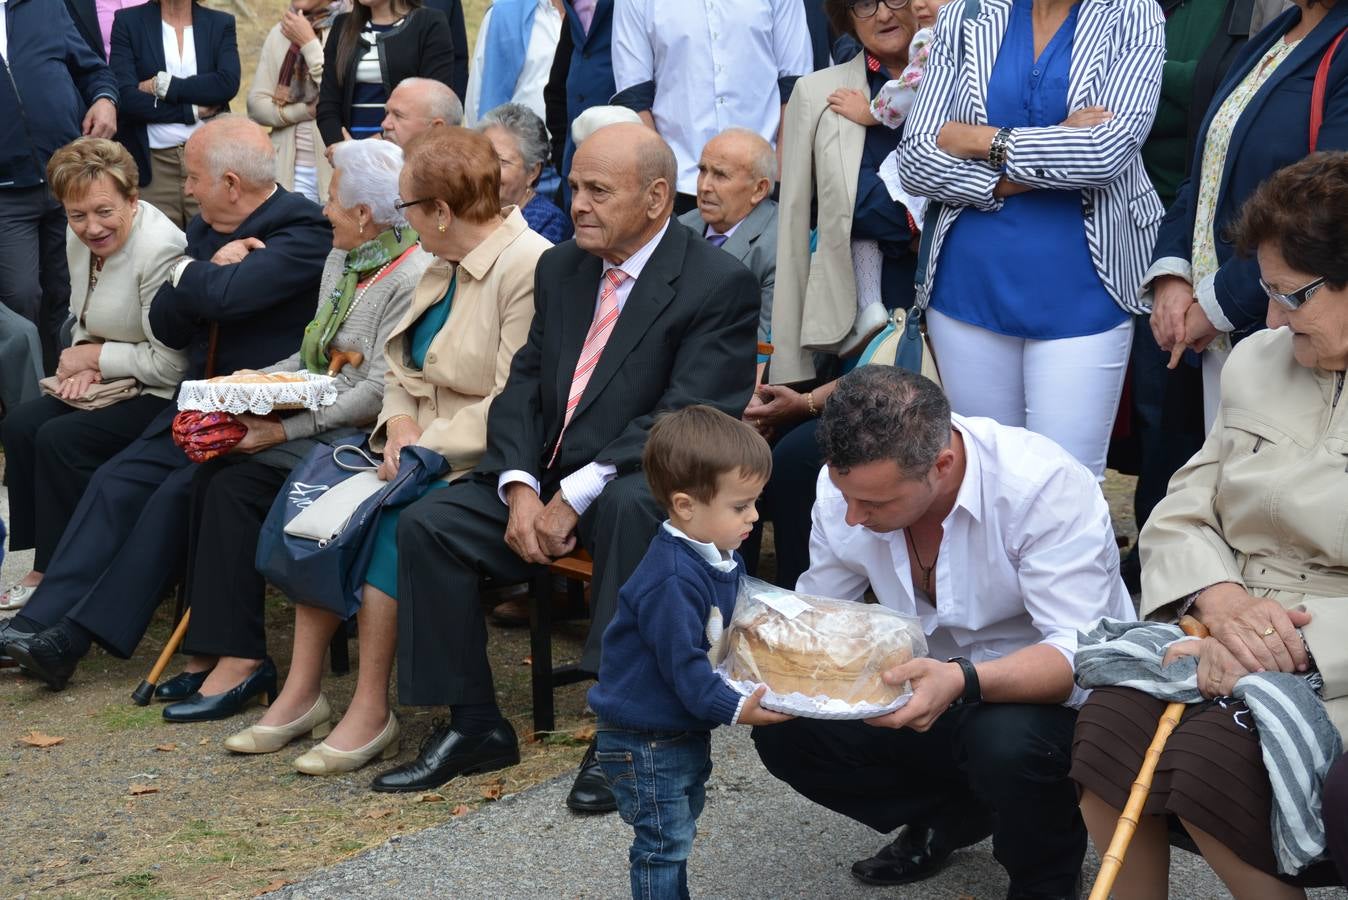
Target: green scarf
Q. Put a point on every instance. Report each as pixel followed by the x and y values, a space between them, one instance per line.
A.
pixel 332 312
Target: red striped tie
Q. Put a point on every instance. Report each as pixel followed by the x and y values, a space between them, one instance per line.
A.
pixel 600 330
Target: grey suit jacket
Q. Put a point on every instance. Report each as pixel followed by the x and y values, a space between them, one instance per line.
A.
pixel 754 243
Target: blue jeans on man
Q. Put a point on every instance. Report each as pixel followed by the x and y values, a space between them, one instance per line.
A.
pixel 659 779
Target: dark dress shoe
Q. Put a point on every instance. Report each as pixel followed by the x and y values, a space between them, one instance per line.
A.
pixel 446 754
pixel 10 632
pixel 48 654
pixel 181 686
pixel 200 708
pixel 918 853
pixel 591 792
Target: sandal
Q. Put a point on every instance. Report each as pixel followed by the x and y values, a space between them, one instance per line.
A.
pixel 16 598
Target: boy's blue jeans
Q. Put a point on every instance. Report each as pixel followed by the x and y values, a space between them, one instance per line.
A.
pixel 659 779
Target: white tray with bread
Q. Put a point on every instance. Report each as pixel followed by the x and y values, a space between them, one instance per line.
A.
pixel 820 658
pixel 259 393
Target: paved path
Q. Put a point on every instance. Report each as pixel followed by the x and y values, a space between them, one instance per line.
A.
pixel 757 839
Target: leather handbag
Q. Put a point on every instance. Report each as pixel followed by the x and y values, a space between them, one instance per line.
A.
pixel 902 343
pixel 98 396
pixel 323 561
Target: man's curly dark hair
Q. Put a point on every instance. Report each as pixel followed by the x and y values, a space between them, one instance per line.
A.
pixel 883 412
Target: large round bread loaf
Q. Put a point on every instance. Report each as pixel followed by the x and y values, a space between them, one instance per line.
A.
pixel 830 653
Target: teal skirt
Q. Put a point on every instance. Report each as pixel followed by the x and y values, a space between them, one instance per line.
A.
pixel 383 571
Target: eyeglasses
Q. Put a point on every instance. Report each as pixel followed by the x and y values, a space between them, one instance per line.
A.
pixel 1295 299
pixel 864 9
pixel 403 204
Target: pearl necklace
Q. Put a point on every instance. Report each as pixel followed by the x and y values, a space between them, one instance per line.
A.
pixel 360 291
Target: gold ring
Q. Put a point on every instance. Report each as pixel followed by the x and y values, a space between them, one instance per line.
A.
pixel 1269 630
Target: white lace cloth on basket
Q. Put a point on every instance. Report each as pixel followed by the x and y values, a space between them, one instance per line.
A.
pixel 258 399
pixel 818 707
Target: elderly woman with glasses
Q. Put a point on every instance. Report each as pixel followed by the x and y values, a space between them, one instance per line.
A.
pixel 1250 541
pixel 446 359
pixel 521 142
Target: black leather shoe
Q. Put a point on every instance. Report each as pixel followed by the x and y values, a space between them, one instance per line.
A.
pixel 181 686
pixel 48 654
pixel 9 632
pixel 200 708
pixel 446 754
pixel 918 853
pixel 591 792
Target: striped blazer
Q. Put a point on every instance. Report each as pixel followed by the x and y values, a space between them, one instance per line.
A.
pixel 1116 63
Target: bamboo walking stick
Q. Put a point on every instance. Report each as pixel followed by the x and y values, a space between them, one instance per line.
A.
pixel 1137 797
pixel 142 694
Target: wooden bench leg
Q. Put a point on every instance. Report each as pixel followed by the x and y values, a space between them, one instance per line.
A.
pixel 540 650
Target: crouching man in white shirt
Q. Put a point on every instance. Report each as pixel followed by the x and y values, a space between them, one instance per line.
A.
pixel 1001 544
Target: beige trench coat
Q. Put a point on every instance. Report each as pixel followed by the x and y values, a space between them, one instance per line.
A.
pixel 1264 503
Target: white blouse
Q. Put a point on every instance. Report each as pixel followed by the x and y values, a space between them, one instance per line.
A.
pixel 180 65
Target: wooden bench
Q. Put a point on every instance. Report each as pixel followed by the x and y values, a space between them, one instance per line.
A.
pixel 578 570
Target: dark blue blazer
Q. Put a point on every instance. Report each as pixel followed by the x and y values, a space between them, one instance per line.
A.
pixel 1271 133
pixel 260 305
pixel 138 54
pixel 57 78
pixel 589 80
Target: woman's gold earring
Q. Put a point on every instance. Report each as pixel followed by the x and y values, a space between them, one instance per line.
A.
pixel 440 228
pixel 362 228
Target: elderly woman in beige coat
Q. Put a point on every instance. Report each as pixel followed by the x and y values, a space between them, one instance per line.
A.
pixel 1251 541
pixel 447 360
pixel 284 94
pixel 119 250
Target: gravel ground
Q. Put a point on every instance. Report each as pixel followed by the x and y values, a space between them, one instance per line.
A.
pixel 529 845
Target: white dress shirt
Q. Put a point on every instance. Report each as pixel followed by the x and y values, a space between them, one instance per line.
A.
pixel 583 486
pixel 718 559
pixel 715 64
pixel 4 33
pixel 1027 555
pixel 179 64
pixel 533 78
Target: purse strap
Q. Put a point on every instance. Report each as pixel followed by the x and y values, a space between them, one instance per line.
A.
pixel 1318 90
pixel 371 462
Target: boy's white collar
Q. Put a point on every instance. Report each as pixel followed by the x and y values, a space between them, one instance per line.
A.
pixel 717 558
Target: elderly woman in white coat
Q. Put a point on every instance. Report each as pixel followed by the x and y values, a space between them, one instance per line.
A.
pixel 120 250
pixel 1027 131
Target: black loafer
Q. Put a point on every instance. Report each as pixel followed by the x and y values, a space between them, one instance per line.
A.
pixel 918 853
pixel 591 792
pixel 200 708
pixel 181 686
pixel 47 654
pixel 10 632
pixel 446 754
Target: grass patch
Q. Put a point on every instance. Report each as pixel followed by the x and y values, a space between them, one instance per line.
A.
pixel 125 717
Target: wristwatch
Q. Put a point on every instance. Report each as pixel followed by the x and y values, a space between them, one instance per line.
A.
pixel 561 495
pixel 1001 142
pixel 973 692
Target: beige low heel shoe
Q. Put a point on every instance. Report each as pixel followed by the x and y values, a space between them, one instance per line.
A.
pixel 317 723
pixel 325 760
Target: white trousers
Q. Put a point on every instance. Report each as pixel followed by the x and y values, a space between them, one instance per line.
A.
pixel 1214 358
pixel 1066 389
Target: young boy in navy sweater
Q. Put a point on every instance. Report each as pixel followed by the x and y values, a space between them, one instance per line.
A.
pixel 658 699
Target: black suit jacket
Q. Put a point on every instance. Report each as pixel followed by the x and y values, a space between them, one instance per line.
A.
pixel 687 334
pixel 260 304
pixel 453 10
pixel 85 14
pixel 138 54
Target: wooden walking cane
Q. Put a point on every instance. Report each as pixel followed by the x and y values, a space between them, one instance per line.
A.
pixel 1137 797
pixel 142 695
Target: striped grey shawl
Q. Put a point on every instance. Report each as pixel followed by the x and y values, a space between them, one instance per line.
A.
pixel 1296 738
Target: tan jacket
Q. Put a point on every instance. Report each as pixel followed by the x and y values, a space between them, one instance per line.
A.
pixel 469 360
pixel 116 312
pixel 1264 503
pixel 284 120
pixel 815 298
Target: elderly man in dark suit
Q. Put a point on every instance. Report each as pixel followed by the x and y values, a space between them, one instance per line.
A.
pixel 632 317
pixel 250 276
pixel 735 210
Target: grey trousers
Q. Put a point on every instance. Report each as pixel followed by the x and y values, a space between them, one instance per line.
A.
pixel 34 278
pixel 20 360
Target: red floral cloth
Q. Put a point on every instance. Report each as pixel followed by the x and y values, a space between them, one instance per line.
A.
pixel 206 435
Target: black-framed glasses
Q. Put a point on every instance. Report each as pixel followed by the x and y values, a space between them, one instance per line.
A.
pixel 1295 299
pixel 864 9
pixel 403 204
